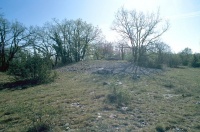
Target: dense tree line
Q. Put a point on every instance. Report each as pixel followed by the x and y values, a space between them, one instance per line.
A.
pixel 65 41
pixel 71 39
pixel 61 41
pixel 28 52
pixel 25 52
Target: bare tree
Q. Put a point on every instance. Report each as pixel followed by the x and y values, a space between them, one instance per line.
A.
pixel 123 48
pixel 13 37
pixel 42 43
pixel 4 29
pixel 102 50
pixel 139 29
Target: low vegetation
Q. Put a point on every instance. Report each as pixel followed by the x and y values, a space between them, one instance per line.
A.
pixel 166 101
pixel 119 96
pixel 37 95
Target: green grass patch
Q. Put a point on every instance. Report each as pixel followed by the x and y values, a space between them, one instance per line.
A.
pixel 76 101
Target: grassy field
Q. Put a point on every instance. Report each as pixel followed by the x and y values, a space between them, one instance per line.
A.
pixel 168 101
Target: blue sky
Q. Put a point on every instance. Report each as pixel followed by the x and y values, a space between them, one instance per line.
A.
pixel 183 15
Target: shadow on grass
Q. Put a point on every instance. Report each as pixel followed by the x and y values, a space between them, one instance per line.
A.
pixel 18 85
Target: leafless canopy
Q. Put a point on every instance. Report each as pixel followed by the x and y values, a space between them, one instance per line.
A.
pixel 139 29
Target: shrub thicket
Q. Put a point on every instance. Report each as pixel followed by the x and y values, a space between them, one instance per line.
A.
pixel 119 96
pixel 186 56
pixel 152 62
pixel 174 61
pixel 196 60
pixel 32 67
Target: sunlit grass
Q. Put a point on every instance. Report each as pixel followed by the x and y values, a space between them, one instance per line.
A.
pixel 169 101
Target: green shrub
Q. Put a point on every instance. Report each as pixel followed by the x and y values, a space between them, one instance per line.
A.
pixel 119 96
pixel 28 67
pixel 153 64
pixel 150 61
pixel 174 61
pixel 196 60
pixel 185 56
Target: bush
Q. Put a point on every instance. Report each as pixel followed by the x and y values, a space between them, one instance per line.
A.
pixel 35 68
pixel 153 64
pixel 196 60
pixel 39 117
pixel 186 56
pixel 119 96
pixel 150 62
pixel 174 61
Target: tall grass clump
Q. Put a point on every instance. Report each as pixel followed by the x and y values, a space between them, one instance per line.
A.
pixel 118 96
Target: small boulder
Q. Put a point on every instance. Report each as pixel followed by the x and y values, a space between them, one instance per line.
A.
pixel 99 116
pixel 104 71
pixel 124 108
pixel 120 83
pixel 112 116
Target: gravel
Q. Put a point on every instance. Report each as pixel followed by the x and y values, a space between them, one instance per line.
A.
pixel 108 67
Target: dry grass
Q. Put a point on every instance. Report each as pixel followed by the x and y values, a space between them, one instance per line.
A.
pixel 78 102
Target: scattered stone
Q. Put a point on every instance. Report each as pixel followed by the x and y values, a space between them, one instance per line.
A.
pixel 67 126
pixel 168 96
pixel 105 71
pixel 76 104
pixel 100 69
pixel 112 116
pixel 99 116
pixel 144 123
pixel 91 93
pixel 120 83
pixel 124 108
pixel 177 129
pixel 198 102
pixel 109 67
pixel 136 77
